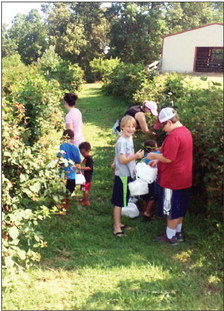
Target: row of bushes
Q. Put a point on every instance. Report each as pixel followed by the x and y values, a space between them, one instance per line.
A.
pixel 31 130
pixel 199 103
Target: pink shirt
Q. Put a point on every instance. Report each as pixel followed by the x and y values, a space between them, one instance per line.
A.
pixel 74 118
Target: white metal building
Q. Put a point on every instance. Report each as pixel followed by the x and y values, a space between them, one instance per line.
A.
pixel 195 50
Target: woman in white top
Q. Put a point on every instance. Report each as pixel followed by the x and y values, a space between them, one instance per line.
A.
pixel 73 119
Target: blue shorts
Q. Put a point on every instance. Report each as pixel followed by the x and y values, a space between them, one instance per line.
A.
pixel 173 203
pixel 121 192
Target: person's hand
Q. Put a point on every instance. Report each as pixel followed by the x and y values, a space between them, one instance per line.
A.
pixel 151 156
pixel 78 166
pixel 153 133
pixel 139 154
pixel 153 163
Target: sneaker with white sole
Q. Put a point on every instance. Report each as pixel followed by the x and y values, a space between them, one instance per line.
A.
pixel 179 237
pixel 164 238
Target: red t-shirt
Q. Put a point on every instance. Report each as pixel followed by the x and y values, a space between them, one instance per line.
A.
pixel 177 147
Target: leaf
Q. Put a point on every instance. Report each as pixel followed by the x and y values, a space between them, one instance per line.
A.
pixel 22 178
pixel 9 262
pixel 22 254
pixel 36 187
pixel 13 232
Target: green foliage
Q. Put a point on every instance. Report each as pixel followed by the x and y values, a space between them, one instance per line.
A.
pixel 200 110
pixel 136 31
pixel 125 80
pixel 103 68
pixel 9 46
pixel 81 31
pixel 28 185
pixel 32 125
pixel 70 76
pixel 29 33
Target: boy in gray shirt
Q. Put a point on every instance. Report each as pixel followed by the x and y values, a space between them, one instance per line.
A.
pixel 124 170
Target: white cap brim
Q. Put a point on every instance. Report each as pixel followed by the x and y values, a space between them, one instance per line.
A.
pixel 154 112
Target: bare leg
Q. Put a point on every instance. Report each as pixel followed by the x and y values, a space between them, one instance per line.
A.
pixel 86 196
pixel 149 208
pixel 117 219
pixel 172 223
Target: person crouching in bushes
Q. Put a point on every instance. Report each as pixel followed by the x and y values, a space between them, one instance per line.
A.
pixel 69 156
pixel 149 199
pixel 87 169
pixel 124 170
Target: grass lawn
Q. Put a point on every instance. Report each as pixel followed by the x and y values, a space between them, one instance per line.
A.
pixel 85 267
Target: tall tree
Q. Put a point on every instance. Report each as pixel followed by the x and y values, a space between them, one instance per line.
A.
pixel 9 46
pixel 78 30
pixel 96 29
pixel 185 15
pixel 29 34
pixel 63 31
pixel 136 31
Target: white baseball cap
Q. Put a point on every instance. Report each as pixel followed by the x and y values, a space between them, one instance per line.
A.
pixel 166 114
pixel 152 106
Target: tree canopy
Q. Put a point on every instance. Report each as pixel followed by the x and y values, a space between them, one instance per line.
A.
pixel 82 31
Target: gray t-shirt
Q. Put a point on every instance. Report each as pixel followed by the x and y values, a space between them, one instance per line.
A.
pixel 124 146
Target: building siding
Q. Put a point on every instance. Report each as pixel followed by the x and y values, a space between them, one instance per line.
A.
pixel 179 49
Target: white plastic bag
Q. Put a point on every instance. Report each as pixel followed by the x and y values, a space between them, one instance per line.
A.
pixel 138 187
pixel 80 179
pixel 146 172
pixel 114 128
pixel 130 211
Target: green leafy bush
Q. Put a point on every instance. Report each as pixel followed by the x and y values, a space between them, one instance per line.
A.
pixel 125 80
pixel 103 68
pixel 31 131
pixel 31 190
pixel 200 109
pixel 52 66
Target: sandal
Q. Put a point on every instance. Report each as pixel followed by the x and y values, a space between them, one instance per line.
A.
pixel 118 234
pixel 126 227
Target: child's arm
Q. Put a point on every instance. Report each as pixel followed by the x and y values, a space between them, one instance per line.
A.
pixel 159 157
pixel 124 160
pixel 85 168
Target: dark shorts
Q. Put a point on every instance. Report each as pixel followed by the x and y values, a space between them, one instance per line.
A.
pixel 152 195
pixel 173 203
pixel 86 186
pixel 121 192
pixel 70 185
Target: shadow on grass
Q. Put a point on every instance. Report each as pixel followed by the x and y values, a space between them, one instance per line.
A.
pixel 159 294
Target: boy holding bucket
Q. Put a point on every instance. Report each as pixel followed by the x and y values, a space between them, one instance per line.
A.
pixel 124 170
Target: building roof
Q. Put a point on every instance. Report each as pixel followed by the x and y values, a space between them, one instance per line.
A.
pixel 177 33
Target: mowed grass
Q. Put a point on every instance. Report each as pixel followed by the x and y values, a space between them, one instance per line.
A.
pixel 85 267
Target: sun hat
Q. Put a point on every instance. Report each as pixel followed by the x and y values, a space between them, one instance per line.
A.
pixel 152 106
pixel 166 114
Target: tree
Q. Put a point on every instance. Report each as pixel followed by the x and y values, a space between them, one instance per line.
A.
pixel 96 29
pixel 185 15
pixel 136 31
pixel 63 32
pixel 29 33
pixel 9 46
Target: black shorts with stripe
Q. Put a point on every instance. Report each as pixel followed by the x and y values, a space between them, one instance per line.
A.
pixel 121 192
pixel 173 203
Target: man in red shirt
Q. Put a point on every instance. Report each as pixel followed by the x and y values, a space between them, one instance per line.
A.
pixel 174 173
